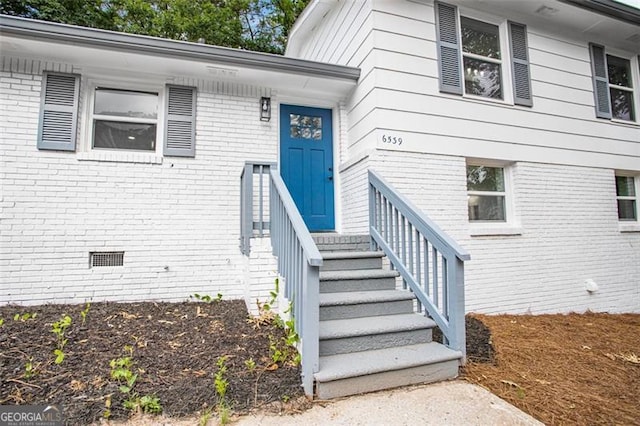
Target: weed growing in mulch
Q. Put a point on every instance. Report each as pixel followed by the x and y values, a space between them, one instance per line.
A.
pixel 118 358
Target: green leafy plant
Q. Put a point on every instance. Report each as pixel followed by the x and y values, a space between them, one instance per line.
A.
pixel 29 369
pixel 221 384
pixel 149 404
pixel 121 371
pixel 85 312
pixel 203 298
pixel 284 350
pixel 206 298
pixel 1 322
pixel 268 305
pixel 24 317
pixel 59 328
pixel 59 356
pixel 250 364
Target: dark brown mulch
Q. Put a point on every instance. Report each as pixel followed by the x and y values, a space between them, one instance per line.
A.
pixel 174 348
pixel 479 348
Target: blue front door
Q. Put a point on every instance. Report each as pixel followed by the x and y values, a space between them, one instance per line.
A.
pixel 306 163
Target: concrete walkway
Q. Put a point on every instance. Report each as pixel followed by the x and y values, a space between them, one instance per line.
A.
pixel 447 403
pixel 456 403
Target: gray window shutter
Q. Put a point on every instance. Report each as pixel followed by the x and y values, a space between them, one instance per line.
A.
pixel 59 112
pixel 449 67
pixel 520 64
pixel 180 127
pixel 600 81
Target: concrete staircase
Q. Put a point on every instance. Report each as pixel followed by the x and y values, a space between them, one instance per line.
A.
pixel 370 337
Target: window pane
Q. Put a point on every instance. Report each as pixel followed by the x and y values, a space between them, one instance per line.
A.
pixel 619 71
pixel 622 104
pixel 625 186
pixel 627 209
pixel 482 178
pixel 116 135
pixel 125 103
pixel 486 207
pixel 480 38
pixel 482 78
pixel 305 126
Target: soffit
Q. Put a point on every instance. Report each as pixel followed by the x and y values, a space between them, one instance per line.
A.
pixel 566 19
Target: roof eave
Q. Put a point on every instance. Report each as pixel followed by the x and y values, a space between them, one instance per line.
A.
pixel 609 8
pixel 91 37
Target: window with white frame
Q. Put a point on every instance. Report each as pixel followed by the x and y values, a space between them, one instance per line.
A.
pixel 614 89
pixel 481 58
pixel 124 119
pixel 487 193
pixel 620 88
pixel 118 117
pixel 627 198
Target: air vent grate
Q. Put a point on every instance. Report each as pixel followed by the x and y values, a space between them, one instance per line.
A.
pixel 106 258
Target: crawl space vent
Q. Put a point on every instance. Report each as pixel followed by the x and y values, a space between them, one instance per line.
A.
pixel 106 258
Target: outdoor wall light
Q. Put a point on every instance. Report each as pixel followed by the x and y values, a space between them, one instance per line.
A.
pixel 265 109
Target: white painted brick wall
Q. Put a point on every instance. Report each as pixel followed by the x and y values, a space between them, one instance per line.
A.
pixel 178 222
pixel 355 204
pixel 569 234
pixel 262 274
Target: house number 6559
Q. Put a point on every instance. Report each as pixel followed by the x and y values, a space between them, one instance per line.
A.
pixel 395 140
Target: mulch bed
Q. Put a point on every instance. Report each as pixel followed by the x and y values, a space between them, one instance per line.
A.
pixel 564 369
pixel 561 369
pixel 174 348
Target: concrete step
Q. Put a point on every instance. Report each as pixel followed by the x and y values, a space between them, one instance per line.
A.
pixel 368 333
pixel 357 280
pixel 358 304
pixel 351 260
pixel 368 371
pixel 341 242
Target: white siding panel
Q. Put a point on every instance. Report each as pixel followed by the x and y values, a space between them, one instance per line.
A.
pixel 352 16
pixel 480 114
pixel 404 44
pixel 326 33
pixel 560 62
pixel 548 74
pixel 406 64
pixel 402 25
pixel 556 45
pixel 363 99
pixel 345 51
pixel 550 90
pixel 414 9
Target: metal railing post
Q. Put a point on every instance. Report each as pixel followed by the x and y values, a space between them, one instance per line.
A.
pixel 246 209
pixel 401 243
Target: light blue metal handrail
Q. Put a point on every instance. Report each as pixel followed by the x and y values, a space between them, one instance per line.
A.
pixel 429 261
pixel 299 262
pixel 248 225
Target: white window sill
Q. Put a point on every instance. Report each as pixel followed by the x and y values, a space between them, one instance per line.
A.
pixel 120 157
pixel 629 227
pixel 491 230
pixel 625 122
